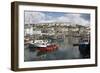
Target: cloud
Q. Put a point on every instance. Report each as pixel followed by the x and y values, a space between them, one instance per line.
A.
pixel 42 17
pixel 74 18
pixel 77 19
pixel 33 17
pixel 63 19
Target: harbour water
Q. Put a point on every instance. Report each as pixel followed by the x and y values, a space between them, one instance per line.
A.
pixel 66 50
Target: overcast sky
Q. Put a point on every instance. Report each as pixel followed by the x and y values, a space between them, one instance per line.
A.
pixel 32 17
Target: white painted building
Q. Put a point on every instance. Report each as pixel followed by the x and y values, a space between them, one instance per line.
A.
pixel 28 30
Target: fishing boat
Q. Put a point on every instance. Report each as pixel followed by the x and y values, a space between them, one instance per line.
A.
pixel 84 48
pixel 43 46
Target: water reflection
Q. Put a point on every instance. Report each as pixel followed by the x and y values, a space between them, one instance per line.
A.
pixel 66 51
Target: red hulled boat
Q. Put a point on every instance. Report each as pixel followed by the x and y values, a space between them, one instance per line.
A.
pixel 44 46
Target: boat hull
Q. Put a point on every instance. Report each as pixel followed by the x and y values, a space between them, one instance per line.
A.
pixel 49 48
